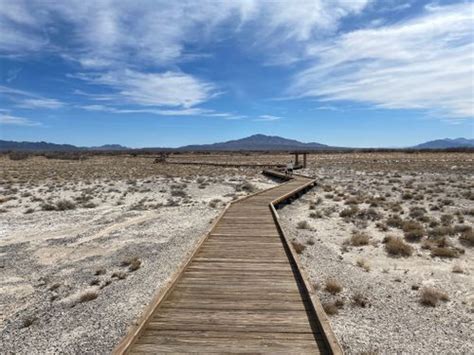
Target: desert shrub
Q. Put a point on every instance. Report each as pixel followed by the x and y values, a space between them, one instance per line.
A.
pixel 303 225
pixel 29 210
pixel 88 296
pixel 467 238
pixel 369 214
pixel 395 221
pixel 457 269
pixel 299 248
pixel 430 296
pixel 133 263
pixel 397 247
pixel 246 186
pixel 359 239
pixel 447 219
pixel 18 156
pixel 214 202
pixel 330 308
pixel 445 252
pixel 349 212
pixel 360 300
pixel 178 193
pixel 363 263
pixel 353 201
pixel 442 231
pixel 100 271
pixel 119 275
pixel 64 205
pixel 413 231
pixel 333 286
pixel 417 212
pixel 462 228
pixel 89 205
pixel 48 206
pixel 28 321
pixel 317 214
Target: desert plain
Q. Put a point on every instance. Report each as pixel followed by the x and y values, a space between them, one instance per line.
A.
pixel 385 237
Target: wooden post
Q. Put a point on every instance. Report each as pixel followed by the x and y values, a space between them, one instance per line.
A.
pixel 296 159
pixel 304 160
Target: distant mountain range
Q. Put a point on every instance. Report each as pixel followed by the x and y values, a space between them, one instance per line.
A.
pixel 446 143
pixel 53 147
pixel 257 142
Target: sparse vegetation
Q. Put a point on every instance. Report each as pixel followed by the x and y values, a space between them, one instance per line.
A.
pixel 303 225
pixel 397 247
pixel 430 296
pixel 299 248
pixel 359 239
pixel 333 286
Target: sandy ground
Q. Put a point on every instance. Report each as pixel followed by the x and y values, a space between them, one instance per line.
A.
pixel 387 315
pixel 66 285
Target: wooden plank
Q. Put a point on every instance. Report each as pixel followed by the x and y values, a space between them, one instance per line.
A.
pixel 240 292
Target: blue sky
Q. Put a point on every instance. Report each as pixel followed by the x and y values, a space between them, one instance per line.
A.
pixel 165 73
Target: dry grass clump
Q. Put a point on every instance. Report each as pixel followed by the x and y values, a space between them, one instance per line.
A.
pixel 213 203
pixel 397 247
pixel 395 221
pixel 467 238
pixel 413 231
pixel 28 321
pixel 333 286
pixel 360 300
pixel 359 239
pixel 119 275
pixel 332 307
pixel 246 186
pixel 64 205
pixel 349 212
pixel 430 296
pixel 88 296
pixel 457 269
pixel 364 264
pixel 303 225
pixel 299 248
pixel 445 252
pixel 133 263
pixel 100 271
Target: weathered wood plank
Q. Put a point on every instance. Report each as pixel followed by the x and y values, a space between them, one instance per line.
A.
pixel 240 292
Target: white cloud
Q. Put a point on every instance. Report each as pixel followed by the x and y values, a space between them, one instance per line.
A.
pixel 192 111
pixel 106 33
pixel 26 99
pixel 424 63
pixel 6 119
pixel 267 118
pixel 173 89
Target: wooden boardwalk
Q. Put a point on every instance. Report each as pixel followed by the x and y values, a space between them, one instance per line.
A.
pixel 241 291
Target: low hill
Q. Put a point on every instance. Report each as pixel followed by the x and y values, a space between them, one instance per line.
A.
pixel 446 143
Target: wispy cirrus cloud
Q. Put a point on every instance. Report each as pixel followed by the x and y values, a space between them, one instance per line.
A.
pixel 7 119
pixel 268 118
pixel 192 111
pixel 26 99
pixel 106 34
pixel 422 63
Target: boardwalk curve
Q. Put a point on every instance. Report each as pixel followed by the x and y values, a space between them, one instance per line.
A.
pixel 242 290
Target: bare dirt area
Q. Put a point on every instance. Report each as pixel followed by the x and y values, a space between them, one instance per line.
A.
pixel 387 240
pixel 84 244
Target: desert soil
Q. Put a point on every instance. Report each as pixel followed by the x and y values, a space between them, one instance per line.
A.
pixel 379 308
pixel 80 259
